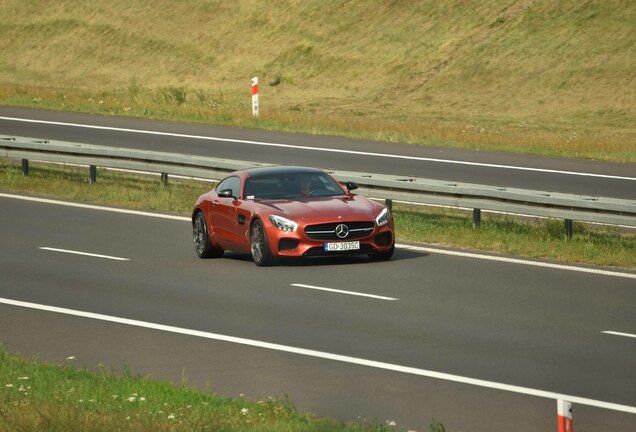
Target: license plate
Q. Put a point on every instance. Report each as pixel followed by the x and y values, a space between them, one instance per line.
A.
pixel 342 246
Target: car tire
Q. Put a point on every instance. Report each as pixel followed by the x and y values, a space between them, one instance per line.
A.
pixel 261 254
pixel 383 256
pixel 202 244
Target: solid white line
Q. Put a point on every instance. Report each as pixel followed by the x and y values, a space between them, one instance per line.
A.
pixel 353 293
pixel 517 261
pixel 619 334
pixel 353 152
pixel 83 253
pixel 95 207
pixel 327 356
pixel 419 249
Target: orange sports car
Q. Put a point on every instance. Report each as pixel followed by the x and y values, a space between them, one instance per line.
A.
pixel 284 211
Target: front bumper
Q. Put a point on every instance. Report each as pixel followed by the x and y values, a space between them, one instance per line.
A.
pixel 298 244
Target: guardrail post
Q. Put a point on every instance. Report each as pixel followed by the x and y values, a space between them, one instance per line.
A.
pixel 389 203
pixel 568 229
pixel 476 218
pixel 564 411
pixel 164 179
pixel 92 170
pixel 25 167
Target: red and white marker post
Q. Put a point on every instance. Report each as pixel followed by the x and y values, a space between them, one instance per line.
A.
pixel 255 97
pixel 564 410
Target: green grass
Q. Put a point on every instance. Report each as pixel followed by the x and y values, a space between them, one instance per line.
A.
pixel 42 397
pixel 536 238
pixel 541 77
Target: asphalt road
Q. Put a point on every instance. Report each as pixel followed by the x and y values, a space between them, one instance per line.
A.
pixel 503 169
pixel 507 323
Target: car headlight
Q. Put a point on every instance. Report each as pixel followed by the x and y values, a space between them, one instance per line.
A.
pixel 283 223
pixel 384 217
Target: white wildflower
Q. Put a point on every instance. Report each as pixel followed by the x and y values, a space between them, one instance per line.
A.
pixel 171 417
pixel 70 358
pixel 9 386
pixel 244 411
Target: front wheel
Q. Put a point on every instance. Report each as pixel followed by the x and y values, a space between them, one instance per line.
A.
pixel 261 254
pixel 202 244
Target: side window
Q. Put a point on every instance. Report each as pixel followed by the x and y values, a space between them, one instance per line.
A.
pixel 233 183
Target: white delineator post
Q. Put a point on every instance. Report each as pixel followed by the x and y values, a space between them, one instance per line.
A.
pixel 564 410
pixel 255 96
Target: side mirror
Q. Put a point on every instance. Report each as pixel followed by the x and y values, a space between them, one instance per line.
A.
pixel 226 193
pixel 351 186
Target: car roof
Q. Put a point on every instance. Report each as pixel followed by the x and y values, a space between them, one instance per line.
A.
pixel 280 169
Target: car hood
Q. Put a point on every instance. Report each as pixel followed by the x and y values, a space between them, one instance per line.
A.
pixel 321 210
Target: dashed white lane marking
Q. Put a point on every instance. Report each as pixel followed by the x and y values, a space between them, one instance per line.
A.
pixel 114 258
pixel 327 356
pixel 318 149
pixel 352 293
pixel 629 335
pixel 419 249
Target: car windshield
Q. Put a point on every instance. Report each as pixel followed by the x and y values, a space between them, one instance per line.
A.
pixel 291 186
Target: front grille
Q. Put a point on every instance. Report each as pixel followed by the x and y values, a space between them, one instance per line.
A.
pixel 328 231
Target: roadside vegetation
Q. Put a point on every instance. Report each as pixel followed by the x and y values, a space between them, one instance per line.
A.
pixel 527 76
pixel 532 237
pixel 36 396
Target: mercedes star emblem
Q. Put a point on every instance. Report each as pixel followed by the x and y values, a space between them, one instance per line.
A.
pixel 342 231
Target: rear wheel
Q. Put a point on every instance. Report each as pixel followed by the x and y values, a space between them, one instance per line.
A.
pixel 261 254
pixel 202 244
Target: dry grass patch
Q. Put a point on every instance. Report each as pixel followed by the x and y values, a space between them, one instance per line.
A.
pixel 542 77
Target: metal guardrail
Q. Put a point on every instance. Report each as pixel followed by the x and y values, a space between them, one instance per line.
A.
pixel 569 207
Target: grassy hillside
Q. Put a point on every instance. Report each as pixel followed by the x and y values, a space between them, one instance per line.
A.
pixel 530 76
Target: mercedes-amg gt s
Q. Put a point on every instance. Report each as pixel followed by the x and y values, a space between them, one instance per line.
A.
pixel 284 211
